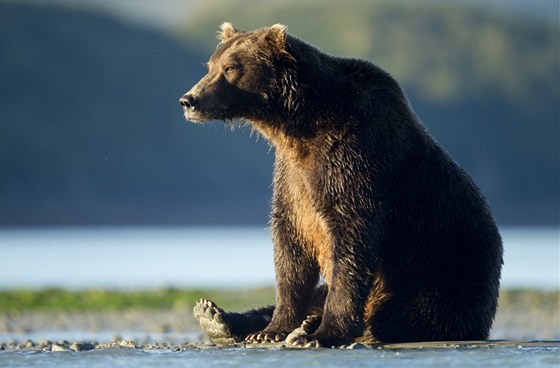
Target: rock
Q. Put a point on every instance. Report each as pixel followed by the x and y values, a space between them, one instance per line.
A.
pixel 357 345
pixel 59 348
pixel 11 345
pixel 82 346
pixel 107 345
pixel 28 344
pixel 45 343
pixel 127 344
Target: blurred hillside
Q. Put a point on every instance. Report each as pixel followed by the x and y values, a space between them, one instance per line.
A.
pixel 91 131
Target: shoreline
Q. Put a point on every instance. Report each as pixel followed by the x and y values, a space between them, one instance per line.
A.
pixel 62 346
pixel 30 317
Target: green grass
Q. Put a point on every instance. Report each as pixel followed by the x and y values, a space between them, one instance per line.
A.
pixel 529 299
pixel 17 301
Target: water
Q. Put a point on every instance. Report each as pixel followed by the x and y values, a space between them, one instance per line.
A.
pixel 141 258
pixel 136 258
pixel 248 358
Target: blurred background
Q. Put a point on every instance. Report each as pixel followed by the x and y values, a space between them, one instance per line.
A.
pixel 91 132
pixel 103 183
pixel 92 135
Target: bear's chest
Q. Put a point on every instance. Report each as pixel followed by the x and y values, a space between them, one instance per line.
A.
pixel 301 197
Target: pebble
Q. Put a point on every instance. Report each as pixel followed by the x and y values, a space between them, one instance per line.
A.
pixel 107 345
pixel 82 346
pixel 45 343
pixel 59 348
pixel 357 345
pixel 127 344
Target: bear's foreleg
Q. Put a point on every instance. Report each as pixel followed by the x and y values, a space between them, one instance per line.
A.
pixel 297 274
pixel 348 290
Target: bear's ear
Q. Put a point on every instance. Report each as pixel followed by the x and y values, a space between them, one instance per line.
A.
pixel 228 30
pixel 277 36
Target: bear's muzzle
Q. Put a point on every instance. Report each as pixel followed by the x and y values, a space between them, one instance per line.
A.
pixel 189 102
pixel 191 108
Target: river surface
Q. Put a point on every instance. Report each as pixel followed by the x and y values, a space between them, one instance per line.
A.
pixel 140 258
pixel 249 358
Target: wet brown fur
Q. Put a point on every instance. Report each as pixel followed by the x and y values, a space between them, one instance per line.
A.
pixel 363 198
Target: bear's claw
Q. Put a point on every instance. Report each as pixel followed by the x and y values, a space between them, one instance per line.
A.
pixel 303 343
pixel 265 337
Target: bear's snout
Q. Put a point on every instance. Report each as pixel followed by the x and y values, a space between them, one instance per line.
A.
pixel 192 110
pixel 189 101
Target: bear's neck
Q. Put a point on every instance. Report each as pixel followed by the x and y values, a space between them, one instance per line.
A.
pixel 319 77
pixel 312 98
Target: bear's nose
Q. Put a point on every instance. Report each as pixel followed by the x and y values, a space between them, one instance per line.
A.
pixel 188 101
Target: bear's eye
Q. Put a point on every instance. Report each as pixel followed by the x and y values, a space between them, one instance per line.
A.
pixel 229 68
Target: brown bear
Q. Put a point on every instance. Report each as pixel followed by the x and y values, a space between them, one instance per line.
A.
pixel 378 234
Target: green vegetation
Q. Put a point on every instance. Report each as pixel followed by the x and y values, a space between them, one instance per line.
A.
pixel 528 299
pixel 56 300
pixel 53 300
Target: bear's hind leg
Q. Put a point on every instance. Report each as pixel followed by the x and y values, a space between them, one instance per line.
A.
pixel 227 328
pixel 433 316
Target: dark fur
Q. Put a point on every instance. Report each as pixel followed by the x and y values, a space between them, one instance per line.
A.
pixel 363 196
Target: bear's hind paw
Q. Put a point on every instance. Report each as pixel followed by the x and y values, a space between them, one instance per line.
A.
pixel 213 322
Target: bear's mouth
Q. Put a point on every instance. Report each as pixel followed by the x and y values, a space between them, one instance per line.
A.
pixel 193 114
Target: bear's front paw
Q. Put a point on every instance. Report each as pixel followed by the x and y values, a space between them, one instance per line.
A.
pixel 265 336
pixel 304 342
pixel 318 340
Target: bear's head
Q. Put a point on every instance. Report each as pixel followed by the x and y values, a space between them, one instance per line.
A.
pixel 244 79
